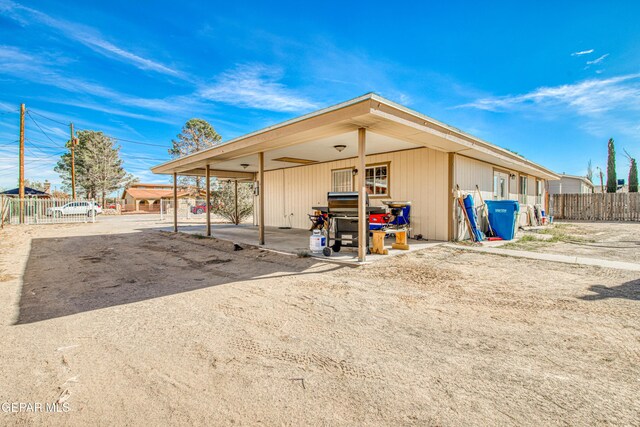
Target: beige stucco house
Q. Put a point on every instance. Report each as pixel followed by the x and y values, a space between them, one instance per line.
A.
pixel 147 197
pixel 404 154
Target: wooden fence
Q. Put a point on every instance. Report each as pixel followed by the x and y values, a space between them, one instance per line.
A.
pixel 596 207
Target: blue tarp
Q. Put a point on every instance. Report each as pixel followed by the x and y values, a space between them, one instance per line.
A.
pixel 473 220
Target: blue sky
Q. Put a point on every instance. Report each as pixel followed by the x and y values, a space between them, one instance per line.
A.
pixel 550 80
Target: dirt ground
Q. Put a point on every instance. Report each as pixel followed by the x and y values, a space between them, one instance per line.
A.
pixel 128 325
pixel 619 241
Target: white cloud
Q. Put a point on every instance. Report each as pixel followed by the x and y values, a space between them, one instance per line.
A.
pixel 588 97
pixel 38 69
pixel 255 86
pixel 84 35
pixel 598 60
pixel 582 52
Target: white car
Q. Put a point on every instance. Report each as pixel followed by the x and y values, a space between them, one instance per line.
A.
pixel 76 208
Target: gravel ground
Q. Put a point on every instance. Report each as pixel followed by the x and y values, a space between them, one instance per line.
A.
pixel 619 241
pixel 127 326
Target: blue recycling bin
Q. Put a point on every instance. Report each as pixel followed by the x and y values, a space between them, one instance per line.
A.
pixel 502 217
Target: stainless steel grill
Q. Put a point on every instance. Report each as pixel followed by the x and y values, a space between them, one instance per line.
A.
pixel 344 204
pixel 342 210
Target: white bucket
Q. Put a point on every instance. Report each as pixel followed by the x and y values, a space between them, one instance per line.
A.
pixel 317 241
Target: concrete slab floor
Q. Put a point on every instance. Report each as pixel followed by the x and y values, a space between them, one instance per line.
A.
pixel 292 241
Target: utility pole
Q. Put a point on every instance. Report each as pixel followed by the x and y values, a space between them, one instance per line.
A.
pixel 73 163
pixel 21 173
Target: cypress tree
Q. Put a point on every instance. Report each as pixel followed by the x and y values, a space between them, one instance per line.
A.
pixel 612 182
pixel 633 176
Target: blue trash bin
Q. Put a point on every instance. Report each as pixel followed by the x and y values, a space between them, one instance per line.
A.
pixel 502 217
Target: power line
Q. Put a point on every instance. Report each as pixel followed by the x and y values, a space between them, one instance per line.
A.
pixel 37 156
pixel 150 144
pixel 131 141
pixel 13 167
pixel 41 130
pixel 44 145
pixel 57 154
pixel 48 118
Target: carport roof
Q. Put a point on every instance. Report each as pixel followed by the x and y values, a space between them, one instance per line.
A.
pixel 391 126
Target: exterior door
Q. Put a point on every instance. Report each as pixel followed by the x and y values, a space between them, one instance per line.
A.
pixel 500 185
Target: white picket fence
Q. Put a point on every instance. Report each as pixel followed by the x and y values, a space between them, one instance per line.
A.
pixel 46 211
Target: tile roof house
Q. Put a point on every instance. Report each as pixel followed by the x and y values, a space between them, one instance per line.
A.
pixel 146 197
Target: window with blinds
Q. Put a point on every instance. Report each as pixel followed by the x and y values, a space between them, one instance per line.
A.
pixel 342 180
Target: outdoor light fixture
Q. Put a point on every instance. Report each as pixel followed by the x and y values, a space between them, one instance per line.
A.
pixel 354 172
pixel 339 148
pixel 244 165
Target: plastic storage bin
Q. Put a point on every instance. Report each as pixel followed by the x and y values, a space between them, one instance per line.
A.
pixel 502 217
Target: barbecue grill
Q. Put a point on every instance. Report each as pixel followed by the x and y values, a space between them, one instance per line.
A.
pixel 342 210
pixel 342 214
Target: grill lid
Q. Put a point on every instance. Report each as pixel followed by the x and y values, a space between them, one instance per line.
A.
pixel 343 202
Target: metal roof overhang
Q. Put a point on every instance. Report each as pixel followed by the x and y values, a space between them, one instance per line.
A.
pixel 390 125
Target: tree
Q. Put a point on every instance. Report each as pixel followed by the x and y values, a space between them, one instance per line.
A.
pixel 633 174
pixel 36 185
pixel 196 135
pixel 98 166
pixel 612 182
pixel 589 175
pixel 224 201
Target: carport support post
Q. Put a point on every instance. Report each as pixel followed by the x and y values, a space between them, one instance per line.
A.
pixel 261 198
pixel 362 199
pixel 208 197
pixel 175 202
pixel 236 200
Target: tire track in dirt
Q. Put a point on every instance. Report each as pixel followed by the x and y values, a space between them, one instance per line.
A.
pixel 252 348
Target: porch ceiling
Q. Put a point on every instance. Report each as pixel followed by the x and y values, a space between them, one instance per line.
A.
pixel 321 150
pixel 390 127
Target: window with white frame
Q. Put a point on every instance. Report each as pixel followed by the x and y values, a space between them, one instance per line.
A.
pixel 377 180
pixel 342 180
pixel 522 189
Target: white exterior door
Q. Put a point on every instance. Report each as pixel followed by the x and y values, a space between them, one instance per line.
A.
pixel 500 185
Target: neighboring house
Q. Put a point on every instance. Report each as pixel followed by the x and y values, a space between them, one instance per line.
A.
pixel 406 156
pixel 571 184
pixel 28 192
pixel 146 197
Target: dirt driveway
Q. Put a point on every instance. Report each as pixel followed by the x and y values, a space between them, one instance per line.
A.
pixel 129 326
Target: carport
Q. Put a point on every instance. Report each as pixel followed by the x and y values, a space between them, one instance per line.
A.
pixel 293 164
